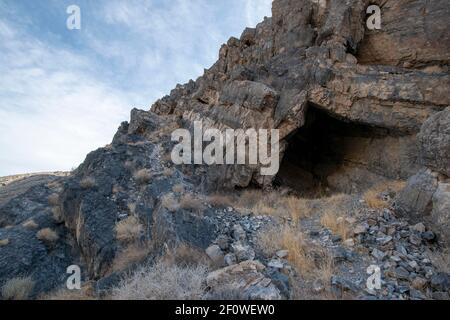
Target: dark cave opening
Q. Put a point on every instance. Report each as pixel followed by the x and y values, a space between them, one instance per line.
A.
pixel 320 149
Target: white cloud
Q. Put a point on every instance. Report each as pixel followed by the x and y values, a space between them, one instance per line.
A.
pixel 58 104
pixel 52 111
pixel 256 9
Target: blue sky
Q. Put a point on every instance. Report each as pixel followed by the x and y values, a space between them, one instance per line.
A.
pixel 64 93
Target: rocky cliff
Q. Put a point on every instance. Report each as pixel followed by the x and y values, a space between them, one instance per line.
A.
pixel 365 141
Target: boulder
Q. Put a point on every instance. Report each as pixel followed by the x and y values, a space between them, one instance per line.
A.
pixel 434 142
pixel 246 277
pixel 440 215
pixel 415 201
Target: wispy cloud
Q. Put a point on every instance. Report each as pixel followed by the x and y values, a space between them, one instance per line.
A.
pixel 64 94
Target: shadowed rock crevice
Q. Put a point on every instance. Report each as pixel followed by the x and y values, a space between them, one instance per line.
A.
pixel 335 154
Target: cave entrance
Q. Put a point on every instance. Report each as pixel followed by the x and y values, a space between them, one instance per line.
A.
pixel 319 155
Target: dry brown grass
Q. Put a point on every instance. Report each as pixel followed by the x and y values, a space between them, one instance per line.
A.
pixel 248 198
pixel 133 254
pixel 57 214
pixel 64 294
pixel 310 261
pixel 87 183
pixel 168 172
pixel 297 208
pixel 4 242
pixel 373 195
pixel 47 235
pixel 221 200
pixel 129 230
pixel 30 224
pixel 131 208
pixel 275 204
pixel 190 202
pixel 185 255
pixel 18 288
pixel 163 281
pixel 170 202
pixel 53 199
pixel 143 176
pixel 178 188
pixel 336 224
pixel 441 260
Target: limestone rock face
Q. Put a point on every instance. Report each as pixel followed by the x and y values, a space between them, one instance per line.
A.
pixel 319 54
pixel 434 142
pixel 353 107
pixel 415 40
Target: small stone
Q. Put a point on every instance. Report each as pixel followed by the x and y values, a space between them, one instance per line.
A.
pixel 402 273
pixel 276 264
pixel 349 243
pixel 223 242
pixel 216 255
pixel 384 240
pixel 416 294
pixel 336 238
pixel 318 286
pixel 415 240
pixel 396 258
pixel 314 233
pixel 239 233
pixel 361 228
pixel 341 284
pixel 282 254
pixel 413 264
pixel 230 259
pixel 420 227
pixel 440 296
pixel 419 283
pixel 243 252
pixel 350 220
pixel 440 282
pixel 429 236
pixel 378 254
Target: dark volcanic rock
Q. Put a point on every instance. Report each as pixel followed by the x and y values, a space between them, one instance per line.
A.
pixel 354 108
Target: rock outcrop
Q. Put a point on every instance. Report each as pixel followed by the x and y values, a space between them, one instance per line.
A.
pixel 354 108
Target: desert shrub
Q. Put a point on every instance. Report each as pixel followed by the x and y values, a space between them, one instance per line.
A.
pixel 30 224
pixel 143 176
pixel 18 288
pixel 53 199
pixel 129 230
pixel 132 254
pixel 297 208
pixel 87 183
pixel 162 281
pixel 441 260
pixel 64 294
pixel 169 202
pixel 47 235
pixel 167 172
pixel 178 188
pixel 57 214
pixel 221 200
pixel 309 260
pixel 185 256
pixel 337 225
pixel 190 202
pixel 373 196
